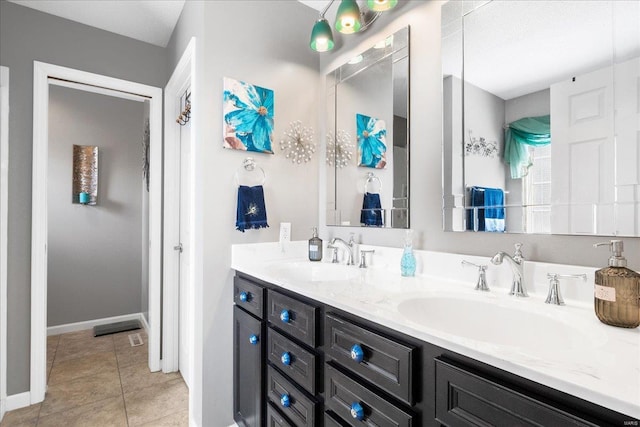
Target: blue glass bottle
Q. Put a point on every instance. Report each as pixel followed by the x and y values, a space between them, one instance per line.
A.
pixel 408 260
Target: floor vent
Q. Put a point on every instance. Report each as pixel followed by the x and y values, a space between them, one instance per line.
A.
pixel 135 340
pixel 113 328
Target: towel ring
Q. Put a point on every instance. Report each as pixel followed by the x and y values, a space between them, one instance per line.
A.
pixel 249 170
pixel 372 179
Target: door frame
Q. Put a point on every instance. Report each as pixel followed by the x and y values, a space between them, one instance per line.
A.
pixel 4 198
pixel 182 78
pixel 39 227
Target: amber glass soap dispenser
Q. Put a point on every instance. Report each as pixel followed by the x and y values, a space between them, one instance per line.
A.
pixel 617 290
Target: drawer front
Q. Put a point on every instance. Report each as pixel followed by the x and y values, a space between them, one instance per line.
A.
pixel 466 399
pixel 293 317
pixel 248 295
pixel 386 363
pixel 298 408
pixel 275 418
pixel 332 420
pixel 358 406
pixel 298 363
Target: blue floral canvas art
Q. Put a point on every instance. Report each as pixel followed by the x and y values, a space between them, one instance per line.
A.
pixel 248 116
pixel 372 146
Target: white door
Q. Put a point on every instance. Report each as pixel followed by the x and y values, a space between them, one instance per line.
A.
pixel 582 155
pixel 186 293
pixel 627 125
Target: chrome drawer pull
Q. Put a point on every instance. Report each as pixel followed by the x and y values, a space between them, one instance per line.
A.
pixel 357 354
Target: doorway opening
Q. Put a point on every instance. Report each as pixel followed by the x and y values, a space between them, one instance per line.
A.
pixel 46 75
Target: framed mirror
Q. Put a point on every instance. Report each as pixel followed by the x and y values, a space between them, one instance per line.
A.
pixel 541 117
pixel 368 137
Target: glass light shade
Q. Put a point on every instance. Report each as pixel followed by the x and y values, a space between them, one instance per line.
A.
pixel 381 5
pixel 348 17
pixel 321 36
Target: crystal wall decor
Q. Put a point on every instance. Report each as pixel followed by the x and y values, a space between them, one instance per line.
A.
pixel 85 174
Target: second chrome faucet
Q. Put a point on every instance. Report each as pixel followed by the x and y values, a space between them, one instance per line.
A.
pixel 516 262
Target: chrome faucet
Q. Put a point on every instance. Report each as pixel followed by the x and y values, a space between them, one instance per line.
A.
pixel 348 247
pixel 516 262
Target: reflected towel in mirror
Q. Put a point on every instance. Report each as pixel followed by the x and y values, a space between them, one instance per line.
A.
pixel 371 213
pixel 486 211
pixel 251 211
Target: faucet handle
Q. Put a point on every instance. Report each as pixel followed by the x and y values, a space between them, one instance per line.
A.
pixel 482 275
pixel 363 257
pixel 553 296
pixel 518 252
pixel 334 256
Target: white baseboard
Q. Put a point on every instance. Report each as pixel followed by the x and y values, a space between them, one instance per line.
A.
pixel 81 326
pixel 145 325
pixel 17 401
pixel 3 408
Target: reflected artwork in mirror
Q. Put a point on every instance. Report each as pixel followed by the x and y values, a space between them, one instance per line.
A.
pixel 541 117
pixel 367 108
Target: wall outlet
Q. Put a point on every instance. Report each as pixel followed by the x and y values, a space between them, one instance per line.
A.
pixel 285 234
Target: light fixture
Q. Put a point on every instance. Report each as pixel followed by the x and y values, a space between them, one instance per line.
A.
pixel 321 36
pixel 349 20
pixel 348 17
pixel 381 5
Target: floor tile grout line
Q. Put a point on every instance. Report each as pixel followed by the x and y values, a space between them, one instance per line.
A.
pixel 124 402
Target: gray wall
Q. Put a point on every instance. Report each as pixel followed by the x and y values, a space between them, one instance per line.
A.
pixel 94 252
pixel 269 47
pixel 426 165
pixel 27 35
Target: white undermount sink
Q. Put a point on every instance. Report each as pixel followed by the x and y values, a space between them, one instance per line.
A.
pixel 306 271
pixel 497 324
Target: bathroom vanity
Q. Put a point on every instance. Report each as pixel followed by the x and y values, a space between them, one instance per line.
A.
pixel 326 344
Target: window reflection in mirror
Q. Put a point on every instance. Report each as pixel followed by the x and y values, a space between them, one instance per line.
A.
pixel 367 137
pixel 550 74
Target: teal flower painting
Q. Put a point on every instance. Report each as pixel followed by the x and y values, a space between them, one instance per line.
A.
pixel 372 144
pixel 248 116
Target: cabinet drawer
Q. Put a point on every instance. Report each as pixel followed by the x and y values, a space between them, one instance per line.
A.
pixel 248 295
pixel 359 406
pixel 387 363
pixel 332 420
pixel 294 317
pixel 298 363
pixel 275 418
pixel 297 407
pixel 465 399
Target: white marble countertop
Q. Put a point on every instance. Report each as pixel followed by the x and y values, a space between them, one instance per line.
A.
pixel 563 347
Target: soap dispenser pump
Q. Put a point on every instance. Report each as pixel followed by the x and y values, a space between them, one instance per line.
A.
pixel 617 290
pixel 315 246
pixel 408 260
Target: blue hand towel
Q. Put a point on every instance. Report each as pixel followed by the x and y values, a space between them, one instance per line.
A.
pixel 494 214
pixel 477 201
pixel 371 213
pixel 251 212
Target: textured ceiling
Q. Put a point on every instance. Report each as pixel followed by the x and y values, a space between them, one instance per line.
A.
pixel 512 48
pixel 146 20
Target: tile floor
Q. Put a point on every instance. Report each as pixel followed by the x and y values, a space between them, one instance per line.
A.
pixel 104 381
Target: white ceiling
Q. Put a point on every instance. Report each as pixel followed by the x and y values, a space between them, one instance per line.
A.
pixel 151 21
pixel 316 4
pixel 512 48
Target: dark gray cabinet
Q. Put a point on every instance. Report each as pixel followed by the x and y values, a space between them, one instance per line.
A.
pixel 248 354
pixel 464 398
pixel 302 369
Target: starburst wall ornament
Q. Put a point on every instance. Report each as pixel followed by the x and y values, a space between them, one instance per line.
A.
pixel 339 150
pixel 298 143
